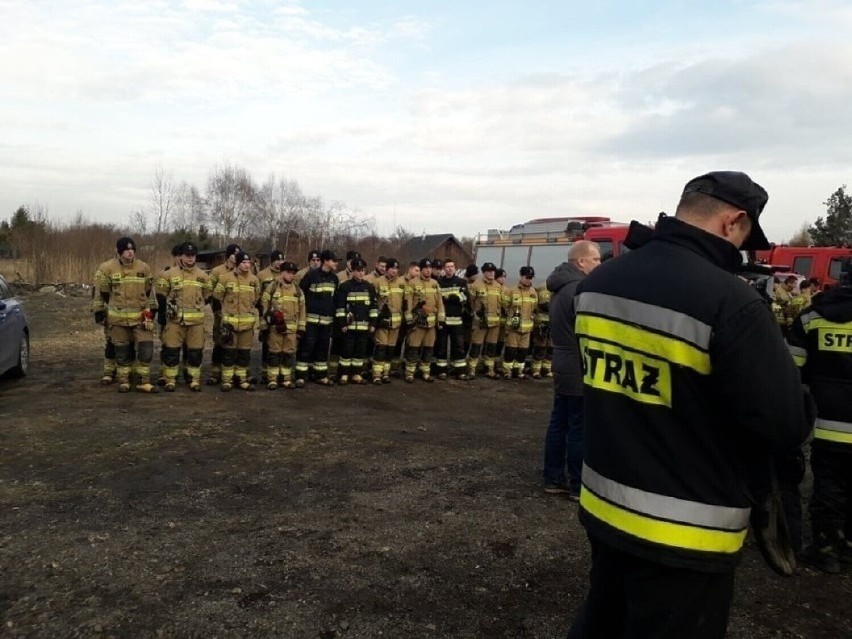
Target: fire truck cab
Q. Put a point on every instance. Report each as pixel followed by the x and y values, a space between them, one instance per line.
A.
pixel 543 243
pixel 820 262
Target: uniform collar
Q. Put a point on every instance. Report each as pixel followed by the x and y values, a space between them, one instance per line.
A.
pixel 715 249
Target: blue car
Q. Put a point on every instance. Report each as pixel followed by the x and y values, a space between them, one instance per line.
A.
pixel 14 334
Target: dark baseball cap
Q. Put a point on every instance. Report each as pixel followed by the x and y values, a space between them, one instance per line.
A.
pixel 289 266
pixel 392 262
pixel 328 254
pixel 489 266
pixel 358 264
pixel 242 256
pixel 276 255
pixel 737 189
pixel 188 248
pixel 313 255
pixel 425 263
pixel 232 249
pixel 352 255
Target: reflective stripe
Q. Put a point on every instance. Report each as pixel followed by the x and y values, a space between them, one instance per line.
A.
pixel 833 430
pixel 799 355
pixel 808 317
pixel 662 519
pixel 641 340
pixel 657 318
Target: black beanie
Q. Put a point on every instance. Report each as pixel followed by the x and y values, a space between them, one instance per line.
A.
pixel 124 243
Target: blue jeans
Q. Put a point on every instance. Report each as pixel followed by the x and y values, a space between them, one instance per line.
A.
pixel 563 444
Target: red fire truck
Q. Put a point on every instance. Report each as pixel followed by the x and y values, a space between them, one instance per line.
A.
pixel 820 262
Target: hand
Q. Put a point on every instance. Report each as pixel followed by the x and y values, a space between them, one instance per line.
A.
pixel 344 329
pixel 372 329
pixel 100 317
pixel 147 319
pixel 300 333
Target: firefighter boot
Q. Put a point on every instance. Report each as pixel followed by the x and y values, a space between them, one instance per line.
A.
pixel 109 372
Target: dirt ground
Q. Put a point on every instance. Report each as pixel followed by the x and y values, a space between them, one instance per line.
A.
pixel 397 511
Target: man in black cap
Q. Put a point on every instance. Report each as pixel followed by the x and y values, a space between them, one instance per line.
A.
pixel 688 385
pixel 314 261
pixel 182 292
pixel 319 287
pixel 451 337
pixel 216 274
pixel 356 315
pixel 346 273
pixel 267 277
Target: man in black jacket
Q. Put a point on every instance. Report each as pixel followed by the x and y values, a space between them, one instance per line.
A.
pixel 688 385
pixel 821 343
pixel 564 439
pixel 319 286
pixel 451 335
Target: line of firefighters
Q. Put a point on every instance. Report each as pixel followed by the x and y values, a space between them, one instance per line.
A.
pixel 317 323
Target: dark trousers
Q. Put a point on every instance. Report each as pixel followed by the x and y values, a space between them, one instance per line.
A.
pixel 563 443
pixel 830 502
pixel 313 347
pixel 450 340
pixel 632 598
pixel 353 351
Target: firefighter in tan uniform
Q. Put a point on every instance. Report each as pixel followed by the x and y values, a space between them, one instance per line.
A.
pixel 283 310
pixel 314 261
pixel 486 302
pixel 390 289
pixel 238 292
pixel 227 266
pixel 520 303
pixel 542 353
pixel 424 312
pixel 99 308
pixel 267 277
pixel 125 287
pixel 182 292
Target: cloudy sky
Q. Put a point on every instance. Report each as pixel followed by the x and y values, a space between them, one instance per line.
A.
pixel 439 116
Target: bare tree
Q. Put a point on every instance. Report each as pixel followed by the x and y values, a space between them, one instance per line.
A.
pixel 189 211
pixel 163 196
pixel 802 237
pixel 138 221
pixel 230 197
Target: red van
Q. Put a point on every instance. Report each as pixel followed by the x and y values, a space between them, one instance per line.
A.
pixel 820 262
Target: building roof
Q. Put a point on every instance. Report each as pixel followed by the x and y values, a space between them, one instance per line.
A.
pixel 424 244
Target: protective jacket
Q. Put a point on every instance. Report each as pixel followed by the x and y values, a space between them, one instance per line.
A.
pixel 423 298
pixel 126 290
pixel 355 305
pixel 567 363
pixel 519 306
pixel 389 300
pixel 267 277
pixel 821 343
pixel 182 294
pixel 486 303
pixel 455 297
pixel 319 287
pixel 289 301
pixel 688 384
pixel 239 293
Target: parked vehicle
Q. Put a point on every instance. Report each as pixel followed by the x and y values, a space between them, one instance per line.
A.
pixel 14 334
pixel 820 262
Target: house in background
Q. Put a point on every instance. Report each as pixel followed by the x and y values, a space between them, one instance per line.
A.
pixel 442 246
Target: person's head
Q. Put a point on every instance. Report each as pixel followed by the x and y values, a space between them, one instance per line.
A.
pixel 329 261
pixel 126 249
pixel 350 256
pixel 413 270
pixel 287 272
pixel 276 257
pixel 359 269
pixel 585 256
pixel 790 282
pixel 381 265
pixel 449 268
pixel 314 260
pixel 425 268
pixel 526 273
pixel 187 254
pixel 231 252
pixel 806 287
pixel 243 261
pixel 471 271
pixel 726 204
pixel 500 275
pixel 489 271
pixel 392 268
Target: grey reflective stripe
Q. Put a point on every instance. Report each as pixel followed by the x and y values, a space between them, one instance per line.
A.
pixel 831 424
pixel 807 317
pixel 797 351
pixel 674 323
pixel 664 507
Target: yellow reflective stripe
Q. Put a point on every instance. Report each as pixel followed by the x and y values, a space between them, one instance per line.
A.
pixel 635 338
pixel 661 532
pixel 832 436
pixel 799 355
pixel 125 315
pixel 454 321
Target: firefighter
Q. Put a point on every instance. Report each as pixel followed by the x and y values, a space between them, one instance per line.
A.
pixel 238 292
pixel 99 309
pixel 519 304
pixel 181 293
pixel 283 311
pixel 486 303
pixel 267 277
pixel 336 335
pixel 451 337
pixel 397 366
pixel 500 277
pixel 346 273
pixel 125 287
pixel 161 320
pixel 216 273
pixel 314 261
pixel 424 313
pixel 356 316
pixel 471 272
pixel 821 343
pixel 379 269
pixel 318 286
pixel 542 351
pixel 683 394
pixel 390 290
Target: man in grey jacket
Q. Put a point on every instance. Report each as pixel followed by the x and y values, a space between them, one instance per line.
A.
pixel 564 440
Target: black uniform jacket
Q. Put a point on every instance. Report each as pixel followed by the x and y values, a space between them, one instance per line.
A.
pixel 319 288
pixel 687 380
pixel 821 342
pixel 455 295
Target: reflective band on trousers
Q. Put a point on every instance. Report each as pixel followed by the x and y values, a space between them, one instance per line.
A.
pixel 662 519
pixel 832 430
pixel 799 355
